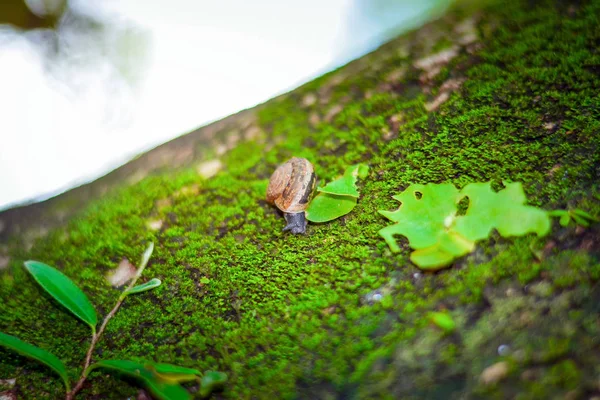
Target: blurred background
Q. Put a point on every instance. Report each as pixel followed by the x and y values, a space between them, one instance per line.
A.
pixel 85 85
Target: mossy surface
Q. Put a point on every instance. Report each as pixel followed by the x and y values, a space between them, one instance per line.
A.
pixel 508 93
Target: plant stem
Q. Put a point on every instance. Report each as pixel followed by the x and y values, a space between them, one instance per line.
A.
pixel 96 336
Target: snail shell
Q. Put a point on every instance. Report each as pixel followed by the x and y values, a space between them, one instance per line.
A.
pixel 290 189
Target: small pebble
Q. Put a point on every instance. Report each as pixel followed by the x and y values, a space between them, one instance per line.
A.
pixel 373 297
pixel 494 373
pixel 503 350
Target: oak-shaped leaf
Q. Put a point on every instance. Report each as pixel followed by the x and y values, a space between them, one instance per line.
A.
pixel 63 290
pixel 36 353
pixel 426 217
pixel 505 211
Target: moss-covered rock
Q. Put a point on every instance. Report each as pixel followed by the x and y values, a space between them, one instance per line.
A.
pixel 505 93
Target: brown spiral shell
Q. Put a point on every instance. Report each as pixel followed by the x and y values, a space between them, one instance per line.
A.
pixel 291 185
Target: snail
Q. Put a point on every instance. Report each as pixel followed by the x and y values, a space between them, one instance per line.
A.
pixel 290 189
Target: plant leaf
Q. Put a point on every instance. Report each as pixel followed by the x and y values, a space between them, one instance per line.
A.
pixel 431 258
pixel 564 220
pixel 59 286
pixel 504 210
pixel 139 371
pixel 326 207
pixel 585 215
pixel 211 381
pixel 558 213
pixel 346 185
pixel 146 256
pixel 337 198
pixel 423 215
pixel 151 284
pixel 36 353
pixel 169 373
pixel 427 217
pixel 580 220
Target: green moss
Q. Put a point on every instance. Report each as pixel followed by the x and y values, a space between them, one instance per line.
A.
pixel 335 313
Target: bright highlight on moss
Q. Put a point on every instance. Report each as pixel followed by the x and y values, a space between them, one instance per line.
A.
pixel 427 217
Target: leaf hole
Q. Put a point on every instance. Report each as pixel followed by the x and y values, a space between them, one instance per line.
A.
pixel 462 206
pixel 418 195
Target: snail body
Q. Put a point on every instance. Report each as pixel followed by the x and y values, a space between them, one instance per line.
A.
pixel 290 190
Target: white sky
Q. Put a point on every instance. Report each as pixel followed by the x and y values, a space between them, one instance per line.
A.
pixel 206 60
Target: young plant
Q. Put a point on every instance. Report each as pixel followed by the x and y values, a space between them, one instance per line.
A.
pixel 162 380
pixel 580 217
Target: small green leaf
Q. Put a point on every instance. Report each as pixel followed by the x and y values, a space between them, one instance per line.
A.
pixel 146 256
pixel 36 353
pixel 346 185
pixel 580 220
pixel 169 373
pixel 443 321
pixel 326 207
pixel 558 213
pixel 585 215
pixel 212 380
pixel 564 220
pixel 160 389
pixel 337 198
pixel 151 284
pixel 363 171
pixel 64 291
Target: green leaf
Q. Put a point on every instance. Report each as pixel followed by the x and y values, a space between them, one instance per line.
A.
pixel 585 215
pixel 36 353
pixel 431 258
pixel 146 257
pixel 424 214
pixel 427 217
pixel 363 171
pixel 346 185
pixel 326 207
pixel 558 213
pixel 564 220
pixel 169 373
pixel 580 221
pixel 504 211
pixel 443 321
pixel 151 284
pixel 212 380
pixel 64 291
pixel 337 198
pixel 159 389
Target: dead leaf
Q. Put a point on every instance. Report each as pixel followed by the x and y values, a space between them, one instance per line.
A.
pixel 122 274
